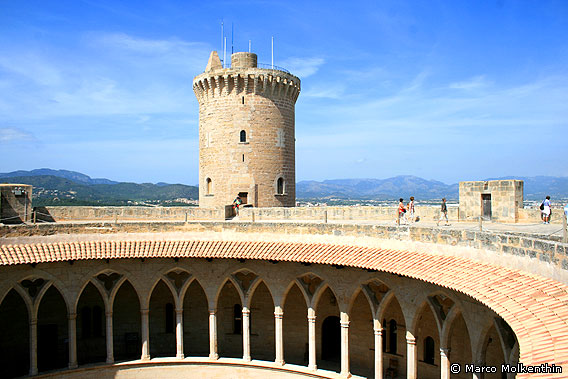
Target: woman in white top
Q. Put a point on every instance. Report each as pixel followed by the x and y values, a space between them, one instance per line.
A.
pixel 546 210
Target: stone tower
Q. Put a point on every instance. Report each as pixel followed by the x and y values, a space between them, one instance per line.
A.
pixel 246 133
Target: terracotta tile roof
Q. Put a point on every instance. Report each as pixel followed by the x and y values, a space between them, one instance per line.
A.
pixel 535 307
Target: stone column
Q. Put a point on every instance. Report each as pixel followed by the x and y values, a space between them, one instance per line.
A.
pixel 312 339
pixel 279 338
pixel 33 346
pixel 411 358
pixel 72 325
pixel 246 334
pixel 444 363
pixel 213 335
pixel 145 335
pixel 477 375
pixel 179 334
pixel 378 349
pixel 344 344
pixel 109 339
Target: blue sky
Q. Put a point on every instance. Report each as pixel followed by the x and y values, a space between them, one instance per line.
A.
pixel 446 90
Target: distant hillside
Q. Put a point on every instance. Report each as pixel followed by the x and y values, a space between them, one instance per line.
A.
pixel 70 187
pixel 53 190
pixel 379 189
pixel 71 175
pixel 535 188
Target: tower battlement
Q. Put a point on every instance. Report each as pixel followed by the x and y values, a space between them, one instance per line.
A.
pixel 246 133
pixel 244 76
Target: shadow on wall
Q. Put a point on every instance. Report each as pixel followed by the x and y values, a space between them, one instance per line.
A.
pixel 41 214
pixel 9 215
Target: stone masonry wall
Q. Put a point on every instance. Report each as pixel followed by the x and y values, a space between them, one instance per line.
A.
pixel 546 257
pixel 506 199
pixel 260 103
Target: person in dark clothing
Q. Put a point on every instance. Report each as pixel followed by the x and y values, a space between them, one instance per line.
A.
pixel 443 213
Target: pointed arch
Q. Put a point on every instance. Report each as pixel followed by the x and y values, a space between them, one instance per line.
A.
pixel 162 320
pixel 229 320
pixel 426 330
pixel 295 325
pixel 361 335
pixel 195 319
pixel 14 335
pixel 458 339
pixel 98 287
pixel 126 321
pixel 52 329
pixel 90 325
pixel 262 327
pixel 222 286
pixel 328 329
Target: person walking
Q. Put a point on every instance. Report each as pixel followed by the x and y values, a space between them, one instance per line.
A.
pixel 402 212
pixel 546 210
pixel 443 213
pixel 410 209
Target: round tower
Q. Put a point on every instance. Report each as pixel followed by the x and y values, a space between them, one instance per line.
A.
pixel 246 133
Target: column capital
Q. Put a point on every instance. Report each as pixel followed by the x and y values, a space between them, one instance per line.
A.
pixel 246 311
pixel 108 313
pixel 144 312
pixel 179 311
pixel 279 314
pixel 378 332
pixel 33 321
pixel 312 318
pixel 71 316
pixel 411 340
pixel 445 351
pixel 344 324
pixel 212 312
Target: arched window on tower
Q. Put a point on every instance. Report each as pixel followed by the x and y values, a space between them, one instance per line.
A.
pixel 208 186
pixel 392 337
pixel 429 350
pixel 280 186
pixel 243 136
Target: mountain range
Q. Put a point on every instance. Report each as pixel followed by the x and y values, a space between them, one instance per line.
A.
pixel 404 186
pixel 65 187
pixel 62 187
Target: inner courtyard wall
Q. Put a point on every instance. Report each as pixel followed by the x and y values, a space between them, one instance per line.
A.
pixel 138 280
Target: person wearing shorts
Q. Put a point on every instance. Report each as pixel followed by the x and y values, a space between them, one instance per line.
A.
pixel 401 212
pixel 546 210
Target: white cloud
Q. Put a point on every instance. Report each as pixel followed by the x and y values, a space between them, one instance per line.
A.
pixel 303 67
pixel 110 74
pixel 474 83
pixel 14 134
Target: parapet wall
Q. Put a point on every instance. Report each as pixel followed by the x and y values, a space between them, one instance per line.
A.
pixel 526 252
pixel 132 213
pixel 341 213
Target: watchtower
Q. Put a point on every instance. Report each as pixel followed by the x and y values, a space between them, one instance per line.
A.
pixel 246 133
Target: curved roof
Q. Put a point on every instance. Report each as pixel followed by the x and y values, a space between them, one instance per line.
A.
pixel 535 307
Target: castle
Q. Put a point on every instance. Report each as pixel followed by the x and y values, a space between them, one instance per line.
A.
pixel 249 299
